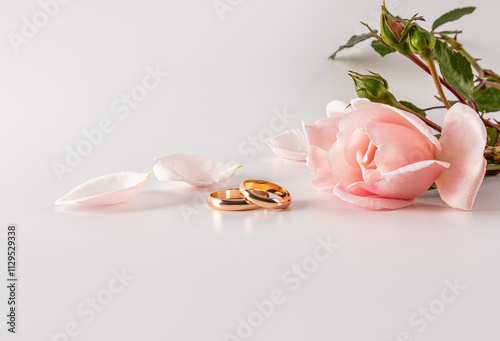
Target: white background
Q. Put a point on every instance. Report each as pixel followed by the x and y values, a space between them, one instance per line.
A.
pixel 195 275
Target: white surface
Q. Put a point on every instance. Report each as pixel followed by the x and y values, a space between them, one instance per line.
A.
pixel 195 277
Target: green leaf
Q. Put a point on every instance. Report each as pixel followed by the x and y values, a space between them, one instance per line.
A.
pixel 413 107
pixel 438 136
pixel 488 100
pixel 381 48
pixel 452 16
pixel 351 42
pixel 445 33
pixel 451 102
pixel 492 135
pixel 455 69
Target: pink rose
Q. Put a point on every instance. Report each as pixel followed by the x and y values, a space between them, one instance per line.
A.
pixel 377 156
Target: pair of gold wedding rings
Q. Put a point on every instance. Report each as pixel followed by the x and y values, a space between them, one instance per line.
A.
pixel 251 194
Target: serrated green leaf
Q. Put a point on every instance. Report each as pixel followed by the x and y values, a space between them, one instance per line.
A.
pixel 488 100
pixel 492 135
pixel 455 69
pixel 452 16
pixel 351 42
pixel 413 107
pixel 381 48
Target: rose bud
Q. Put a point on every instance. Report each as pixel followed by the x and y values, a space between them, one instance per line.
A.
pixel 421 40
pixel 373 87
pixel 393 32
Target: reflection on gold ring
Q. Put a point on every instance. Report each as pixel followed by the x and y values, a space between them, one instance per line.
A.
pixel 249 190
pixel 231 200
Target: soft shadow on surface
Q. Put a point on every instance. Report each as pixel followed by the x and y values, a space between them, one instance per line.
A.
pixel 488 198
pixel 297 205
pixel 146 200
pixel 485 205
pixel 329 204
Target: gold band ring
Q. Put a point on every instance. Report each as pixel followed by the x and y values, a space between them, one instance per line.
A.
pixel 249 187
pixel 231 200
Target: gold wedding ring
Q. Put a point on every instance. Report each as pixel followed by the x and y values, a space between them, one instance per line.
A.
pixel 249 188
pixel 231 200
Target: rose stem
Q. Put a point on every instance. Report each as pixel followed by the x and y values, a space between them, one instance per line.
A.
pixel 437 83
pixel 428 57
pixel 424 67
pixel 425 119
pixel 436 107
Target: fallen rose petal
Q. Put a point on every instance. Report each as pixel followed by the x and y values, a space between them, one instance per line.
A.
pixel 291 144
pixel 196 170
pixel 462 140
pixel 106 190
pixel 373 202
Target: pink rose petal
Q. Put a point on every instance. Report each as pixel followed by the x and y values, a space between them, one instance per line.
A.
pixel 366 110
pixel 356 145
pixel 463 140
pixel 408 182
pixel 291 144
pixel 366 161
pixel 337 108
pixel 397 145
pixel 106 190
pixel 323 132
pixel 193 169
pixel 318 164
pixel 343 173
pixel 373 202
